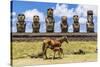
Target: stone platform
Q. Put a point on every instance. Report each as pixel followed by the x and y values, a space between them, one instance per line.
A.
pixel 41 36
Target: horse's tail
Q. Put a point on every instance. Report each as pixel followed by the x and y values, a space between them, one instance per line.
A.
pixel 43 47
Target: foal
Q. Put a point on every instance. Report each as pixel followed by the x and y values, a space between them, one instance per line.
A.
pixel 59 50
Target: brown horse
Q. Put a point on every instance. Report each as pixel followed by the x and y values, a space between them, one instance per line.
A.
pixel 52 44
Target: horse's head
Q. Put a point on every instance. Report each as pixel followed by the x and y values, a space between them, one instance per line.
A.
pixel 65 39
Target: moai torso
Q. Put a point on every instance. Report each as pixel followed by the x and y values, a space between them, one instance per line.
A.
pixel 21 23
pixel 76 25
pixel 36 24
pixel 50 21
pixel 64 25
pixel 90 24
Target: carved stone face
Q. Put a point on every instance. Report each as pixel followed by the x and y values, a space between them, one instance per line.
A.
pixel 21 17
pixel 36 18
pixel 89 12
pixel 50 12
pixel 64 18
pixel 90 16
pixel 75 18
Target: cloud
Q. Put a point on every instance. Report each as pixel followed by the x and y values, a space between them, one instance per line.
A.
pixel 43 27
pixel 30 13
pixel 29 18
pixel 82 20
pixel 14 29
pixel 13 14
pixel 70 28
pixel 81 10
pixel 62 10
pixel 28 27
pixel 82 27
pixel 14 19
pixel 57 27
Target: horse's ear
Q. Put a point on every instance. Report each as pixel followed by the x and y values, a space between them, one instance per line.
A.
pixel 64 36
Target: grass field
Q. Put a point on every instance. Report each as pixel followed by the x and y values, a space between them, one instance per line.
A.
pixel 67 59
pixel 21 50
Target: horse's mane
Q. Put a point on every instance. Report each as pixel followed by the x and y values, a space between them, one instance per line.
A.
pixel 60 39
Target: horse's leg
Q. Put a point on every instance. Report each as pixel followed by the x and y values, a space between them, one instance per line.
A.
pixel 44 49
pixel 54 55
pixel 61 51
pixel 46 53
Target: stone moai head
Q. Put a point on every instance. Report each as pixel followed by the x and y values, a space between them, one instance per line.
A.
pixel 76 25
pixel 50 12
pixel 21 23
pixel 36 18
pixel 64 26
pixel 76 19
pixel 36 24
pixel 50 21
pixel 64 19
pixel 90 24
pixel 90 16
pixel 21 17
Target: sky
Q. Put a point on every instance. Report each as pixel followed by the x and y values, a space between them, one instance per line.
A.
pixel 31 8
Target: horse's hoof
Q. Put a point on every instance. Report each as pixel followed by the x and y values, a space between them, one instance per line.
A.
pixel 45 58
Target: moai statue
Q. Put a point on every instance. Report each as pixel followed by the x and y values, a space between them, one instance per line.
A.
pixel 64 25
pixel 50 21
pixel 21 23
pixel 90 24
pixel 76 25
pixel 36 24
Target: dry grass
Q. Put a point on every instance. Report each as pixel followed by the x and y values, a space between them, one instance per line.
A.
pixel 67 59
pixel 23 49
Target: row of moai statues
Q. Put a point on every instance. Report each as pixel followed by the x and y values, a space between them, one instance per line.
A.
pixel 64 24
pixel 50 21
